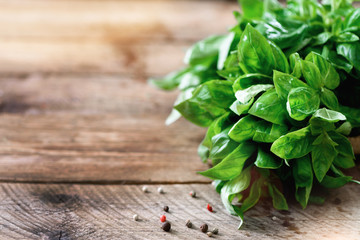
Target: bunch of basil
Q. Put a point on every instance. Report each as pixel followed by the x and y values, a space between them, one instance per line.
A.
pixel 279 94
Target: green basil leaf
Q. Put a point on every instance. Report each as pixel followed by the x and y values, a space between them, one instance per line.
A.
pixel 302 102
pixel 347 37
pixel 344 161
pixel 238 108
pixel 218 184
pixel 294 144
pixel 322 38
pixel 350 52
pixel 268 132
pixel 312 74
pixel 215 93
pixel 285 82
pixel 230 74
pixel 244 96
pixel 329 115
pixel 329 75
pixel 352 115
pixel 203 152
pixel 267 160
pixel 233 187
pixel 224 49
pixel 175 114
pixel 244 129
pixel 254 195
pixel 232 164
pixel 219 125
pixel 344 129
pixel 270 108
pixel 255 53
pixel 194 113
pixel 295 64
pixel 344 146
pixel 281 62
pixel 278 199
pixel 285 32
pixel 323 154
pixel 318 125
pixel 252 9
pixel 216 127
pixel 316 200
pixel 339 61
pixel 221 146
pixel 335 182
pixel 302 171
pixel 352 20
pixel 248 80
pixel 302 195
pixel 329 99
pixel 204 52
pixel 170 81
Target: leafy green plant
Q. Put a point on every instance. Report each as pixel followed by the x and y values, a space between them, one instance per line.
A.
pixel 279 95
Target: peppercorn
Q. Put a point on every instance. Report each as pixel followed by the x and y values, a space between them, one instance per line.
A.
pixel 204 228
pixel 215 231
pixel 166 208
pixel 145 189
pixel 166 226
pixel 188 223
pixel 162 218
pixel 209 207
pixel 160 190
pixel 192 194
pixel 209 234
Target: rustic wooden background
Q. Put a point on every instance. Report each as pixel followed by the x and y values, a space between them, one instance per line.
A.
pixel 81 130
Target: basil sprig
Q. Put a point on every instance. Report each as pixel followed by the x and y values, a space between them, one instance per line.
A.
pixel 279 95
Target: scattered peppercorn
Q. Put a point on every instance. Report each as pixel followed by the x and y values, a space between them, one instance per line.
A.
pixel 166 226
pixel 160 190
pixel 136 217
pixel 209 207
pixel 162 218
pixel 188 223
pixel 204 228
pixel 215 231
pixel 166 208
pixel 192 194
pixel 209 234
pixel 145 189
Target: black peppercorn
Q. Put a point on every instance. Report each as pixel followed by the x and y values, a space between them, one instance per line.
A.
pixel 166 226
pixel 166 208
pixel 204 228
pixel 188 223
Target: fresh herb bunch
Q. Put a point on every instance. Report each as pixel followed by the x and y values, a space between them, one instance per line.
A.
pixel 279 94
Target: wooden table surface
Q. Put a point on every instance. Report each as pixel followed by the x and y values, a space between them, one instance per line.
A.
pixel 82 131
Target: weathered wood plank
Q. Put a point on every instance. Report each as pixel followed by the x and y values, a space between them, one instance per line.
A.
pixel 101 148
pixel 110 55
pixel 83 94
pixel 126 19
pixel 29 211
pixel 132 37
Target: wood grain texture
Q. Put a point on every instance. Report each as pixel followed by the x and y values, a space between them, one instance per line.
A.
pixel 52 211
pixel 126 96
pixel 127 19
pixel 98 148
pixel 128 37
